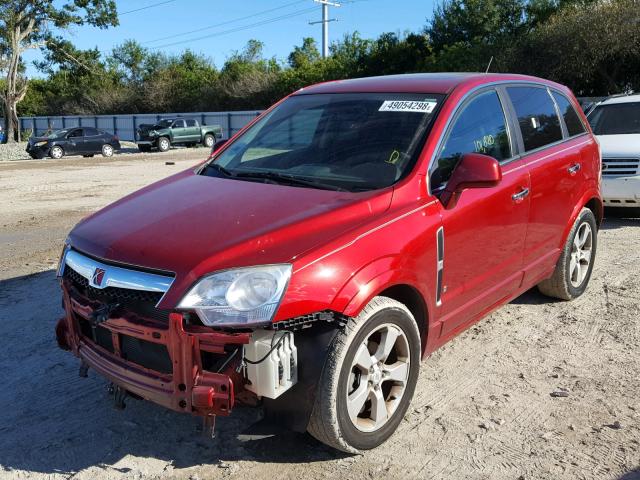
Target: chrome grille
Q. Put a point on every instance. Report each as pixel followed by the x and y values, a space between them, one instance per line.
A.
pixel 620 167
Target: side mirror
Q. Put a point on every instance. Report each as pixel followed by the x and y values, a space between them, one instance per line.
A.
pixel 474 171
pixel 218 145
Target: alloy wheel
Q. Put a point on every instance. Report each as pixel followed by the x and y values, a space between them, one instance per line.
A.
pixel 107 150
pixel 164 144
pixel 581 250
pixel 378 378
pixel 56 152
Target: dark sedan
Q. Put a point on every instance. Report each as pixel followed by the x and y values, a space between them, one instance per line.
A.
pixel 85 141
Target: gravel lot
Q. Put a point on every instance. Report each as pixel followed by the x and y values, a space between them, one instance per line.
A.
pixel 483 407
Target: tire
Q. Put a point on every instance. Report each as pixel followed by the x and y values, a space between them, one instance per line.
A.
pixel 107 150
pixel 56 152
pixel 568 281
pixel 209 140
pixel 330 421
pixel 164 144
pixel 144 148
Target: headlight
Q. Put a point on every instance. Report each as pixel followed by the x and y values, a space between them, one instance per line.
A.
pixel 153 133
pixel 63 254
pixel 41 144
pixel 238 297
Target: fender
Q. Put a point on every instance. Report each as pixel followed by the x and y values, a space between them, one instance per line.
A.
pixel 590 194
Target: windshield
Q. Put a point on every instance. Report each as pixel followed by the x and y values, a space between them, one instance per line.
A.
pixel 165 123
pixel 58 133
pixel 354 142
pixel 616 119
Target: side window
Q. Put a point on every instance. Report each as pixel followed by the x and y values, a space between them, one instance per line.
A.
pixel 537 116
pixel 571 118
pixel 91 132
pixel 76 133
pixel 178 124
pixel 191 122
pixel 480 128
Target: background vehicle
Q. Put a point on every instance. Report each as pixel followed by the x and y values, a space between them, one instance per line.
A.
pixel 86 141
pixel 176 131
pixel 312 262
pixel 616 124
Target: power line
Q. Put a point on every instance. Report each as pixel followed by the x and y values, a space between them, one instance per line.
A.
pixel 238 29
pixel 146 7
pixel 225 23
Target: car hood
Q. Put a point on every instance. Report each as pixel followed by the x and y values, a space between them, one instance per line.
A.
pixel 620 145
pixel 33 140
pixel 192 225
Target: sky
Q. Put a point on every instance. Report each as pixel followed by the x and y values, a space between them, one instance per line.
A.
pixel 229 24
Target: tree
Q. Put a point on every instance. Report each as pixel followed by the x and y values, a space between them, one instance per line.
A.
pixel 30 24
pixel 305 54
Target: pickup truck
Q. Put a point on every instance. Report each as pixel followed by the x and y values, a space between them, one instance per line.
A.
pixel 176 131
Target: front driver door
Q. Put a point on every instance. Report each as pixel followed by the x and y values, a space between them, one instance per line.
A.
pixel 483 235
pixel 75 142
pixel 178 131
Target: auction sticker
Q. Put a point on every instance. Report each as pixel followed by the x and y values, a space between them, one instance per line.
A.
pixel 407 106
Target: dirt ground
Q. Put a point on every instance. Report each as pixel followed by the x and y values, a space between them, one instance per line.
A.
pixel 483 407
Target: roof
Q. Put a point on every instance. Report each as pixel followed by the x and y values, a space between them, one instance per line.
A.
pixel 621 99
pixel 436 83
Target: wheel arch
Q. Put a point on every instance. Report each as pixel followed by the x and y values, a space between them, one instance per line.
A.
pixel 388 285
pixel 591 200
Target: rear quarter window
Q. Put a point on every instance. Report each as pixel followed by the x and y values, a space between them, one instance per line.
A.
pixel 569 114
pixel 537 116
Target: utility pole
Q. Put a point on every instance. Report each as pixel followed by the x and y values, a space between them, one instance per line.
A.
pixel 325 24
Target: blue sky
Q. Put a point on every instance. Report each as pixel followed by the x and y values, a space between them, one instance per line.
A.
pixel 174 17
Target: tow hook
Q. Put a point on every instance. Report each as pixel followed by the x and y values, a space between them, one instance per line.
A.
pixel 208 426
pixel 84 368
pixel 119 394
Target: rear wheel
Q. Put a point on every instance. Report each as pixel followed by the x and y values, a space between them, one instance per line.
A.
pixel 56 152
pixel 574 267
pixel 107 150
pixel 209 140
pixel 368 379
pixel 164 144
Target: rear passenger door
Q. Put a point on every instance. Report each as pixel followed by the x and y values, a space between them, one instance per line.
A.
pixel 93 140
pixel 483 235
pixel 555 167
pixel 192 133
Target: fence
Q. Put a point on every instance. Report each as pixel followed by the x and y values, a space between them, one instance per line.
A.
pixel 125 125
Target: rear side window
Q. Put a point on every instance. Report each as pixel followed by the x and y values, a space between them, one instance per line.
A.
pixel 480 128
pixel 90 132
pixel 190 122
pixel 539 122
pixel 571 118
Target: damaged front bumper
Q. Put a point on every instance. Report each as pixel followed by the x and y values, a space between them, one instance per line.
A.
pixel 165 363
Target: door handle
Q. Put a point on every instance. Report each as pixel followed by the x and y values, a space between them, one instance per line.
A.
pixel 521 195
pixel 573 169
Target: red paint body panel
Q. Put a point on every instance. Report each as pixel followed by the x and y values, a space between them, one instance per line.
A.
pixel 346 248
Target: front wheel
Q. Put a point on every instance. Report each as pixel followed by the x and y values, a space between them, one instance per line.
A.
pixel 164 144
pixel 56 152
pixel 368 379
pixel 574 267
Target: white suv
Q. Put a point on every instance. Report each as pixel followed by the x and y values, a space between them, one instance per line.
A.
pixel 616 124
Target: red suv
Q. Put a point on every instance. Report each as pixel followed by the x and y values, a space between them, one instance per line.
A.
pixel 314 260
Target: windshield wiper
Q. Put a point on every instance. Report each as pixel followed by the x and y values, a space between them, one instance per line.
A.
pixel 221 169
pixel 290 179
